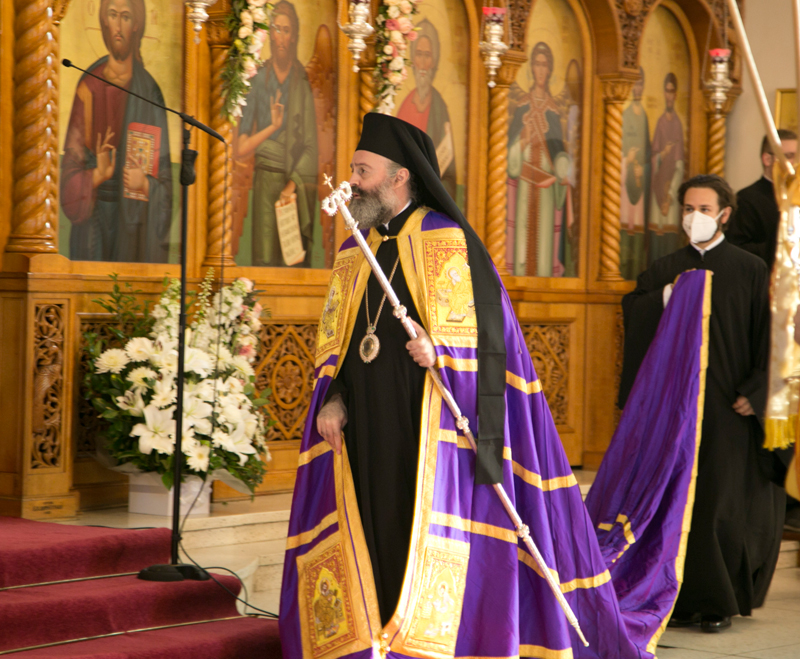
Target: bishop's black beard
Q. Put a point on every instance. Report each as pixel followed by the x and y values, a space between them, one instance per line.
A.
pixel 372 208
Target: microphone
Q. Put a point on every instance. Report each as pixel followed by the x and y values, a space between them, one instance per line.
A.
pixel 185 117
pixel 175 570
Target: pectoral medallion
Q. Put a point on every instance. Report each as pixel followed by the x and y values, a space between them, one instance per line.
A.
pixel 370 346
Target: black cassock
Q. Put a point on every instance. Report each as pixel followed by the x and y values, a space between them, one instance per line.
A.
pixel 738 513
pixel 384 403
pixel 754 225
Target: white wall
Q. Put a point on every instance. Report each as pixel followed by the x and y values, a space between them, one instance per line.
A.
pixel 769 28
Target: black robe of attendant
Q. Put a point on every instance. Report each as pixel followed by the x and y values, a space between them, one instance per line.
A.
pixel 754 225
pixel 384 403
pixel 738 510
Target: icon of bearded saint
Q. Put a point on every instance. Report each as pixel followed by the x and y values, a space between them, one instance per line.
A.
pixel 285 145
pixel 425 108
pixel 120 205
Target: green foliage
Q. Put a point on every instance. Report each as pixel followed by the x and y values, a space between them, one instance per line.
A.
pixel 244 55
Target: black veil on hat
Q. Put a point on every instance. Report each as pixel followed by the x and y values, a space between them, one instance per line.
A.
pixel 412 148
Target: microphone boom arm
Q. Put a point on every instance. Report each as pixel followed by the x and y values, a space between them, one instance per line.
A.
pixel 189 119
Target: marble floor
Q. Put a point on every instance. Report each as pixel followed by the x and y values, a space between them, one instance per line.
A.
pixel 773 632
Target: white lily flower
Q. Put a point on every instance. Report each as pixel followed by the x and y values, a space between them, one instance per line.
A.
pixel 250 423
pixel 157 432
pixel 204 390
pixel 232 414
pixel 198 361
pixel 195 410
pixel 202 426
pixel 164 392
pixel 131 402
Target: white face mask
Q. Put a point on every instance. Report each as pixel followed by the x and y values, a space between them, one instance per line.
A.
pixel 700 227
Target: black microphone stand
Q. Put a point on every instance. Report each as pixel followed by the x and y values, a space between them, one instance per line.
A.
pixel 175 570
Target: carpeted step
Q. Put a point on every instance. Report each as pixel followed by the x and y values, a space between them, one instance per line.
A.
pixel 36 552
pixel 242 638
pixel 46 614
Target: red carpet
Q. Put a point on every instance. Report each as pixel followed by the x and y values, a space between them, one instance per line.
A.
pixel 36 552
pixel 33 552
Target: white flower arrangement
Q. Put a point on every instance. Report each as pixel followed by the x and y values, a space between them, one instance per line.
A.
pixel 248 23
pixel 393 34
pixel 134 388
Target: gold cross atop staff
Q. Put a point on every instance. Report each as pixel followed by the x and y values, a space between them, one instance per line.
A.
pixel 335 202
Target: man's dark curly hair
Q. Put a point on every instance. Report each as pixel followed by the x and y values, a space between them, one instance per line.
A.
pixel 725 195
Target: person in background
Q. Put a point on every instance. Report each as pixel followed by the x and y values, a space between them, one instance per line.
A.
pixel 754 226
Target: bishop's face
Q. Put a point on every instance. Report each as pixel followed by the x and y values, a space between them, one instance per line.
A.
pixel 119 18
pixel 374 198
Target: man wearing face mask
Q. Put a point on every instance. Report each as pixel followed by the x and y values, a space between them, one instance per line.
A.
pixel 738 511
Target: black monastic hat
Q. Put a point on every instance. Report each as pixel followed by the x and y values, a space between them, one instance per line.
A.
pixel 412 148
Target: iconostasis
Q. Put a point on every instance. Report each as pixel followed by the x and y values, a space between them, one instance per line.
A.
pixel 568 169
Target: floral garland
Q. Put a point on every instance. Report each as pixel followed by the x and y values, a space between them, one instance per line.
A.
pixel 248 22
pixel 392 36
pixel 133 387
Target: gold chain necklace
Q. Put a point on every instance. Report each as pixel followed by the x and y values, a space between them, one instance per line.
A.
pixel 370 346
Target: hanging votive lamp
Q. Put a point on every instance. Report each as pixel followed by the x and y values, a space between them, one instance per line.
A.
pixel 494 44
pixel 358 29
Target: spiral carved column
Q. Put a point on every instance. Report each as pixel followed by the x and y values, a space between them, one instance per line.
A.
pixel 717 131
pixel 496 206
pixel 717 128
pixel 367 100
pixel 220 180
pixel 34 218
pixel 367 88
pixel 615 93
pixel 497 170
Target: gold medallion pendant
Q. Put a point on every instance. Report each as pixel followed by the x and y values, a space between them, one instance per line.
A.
pixel 370 346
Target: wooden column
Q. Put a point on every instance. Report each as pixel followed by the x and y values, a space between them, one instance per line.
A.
pixel 715 162
pixel 367 93
pixel 497 174
pixel 615 93
pixel 219 245
pixel 717 133
pixel 35 210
